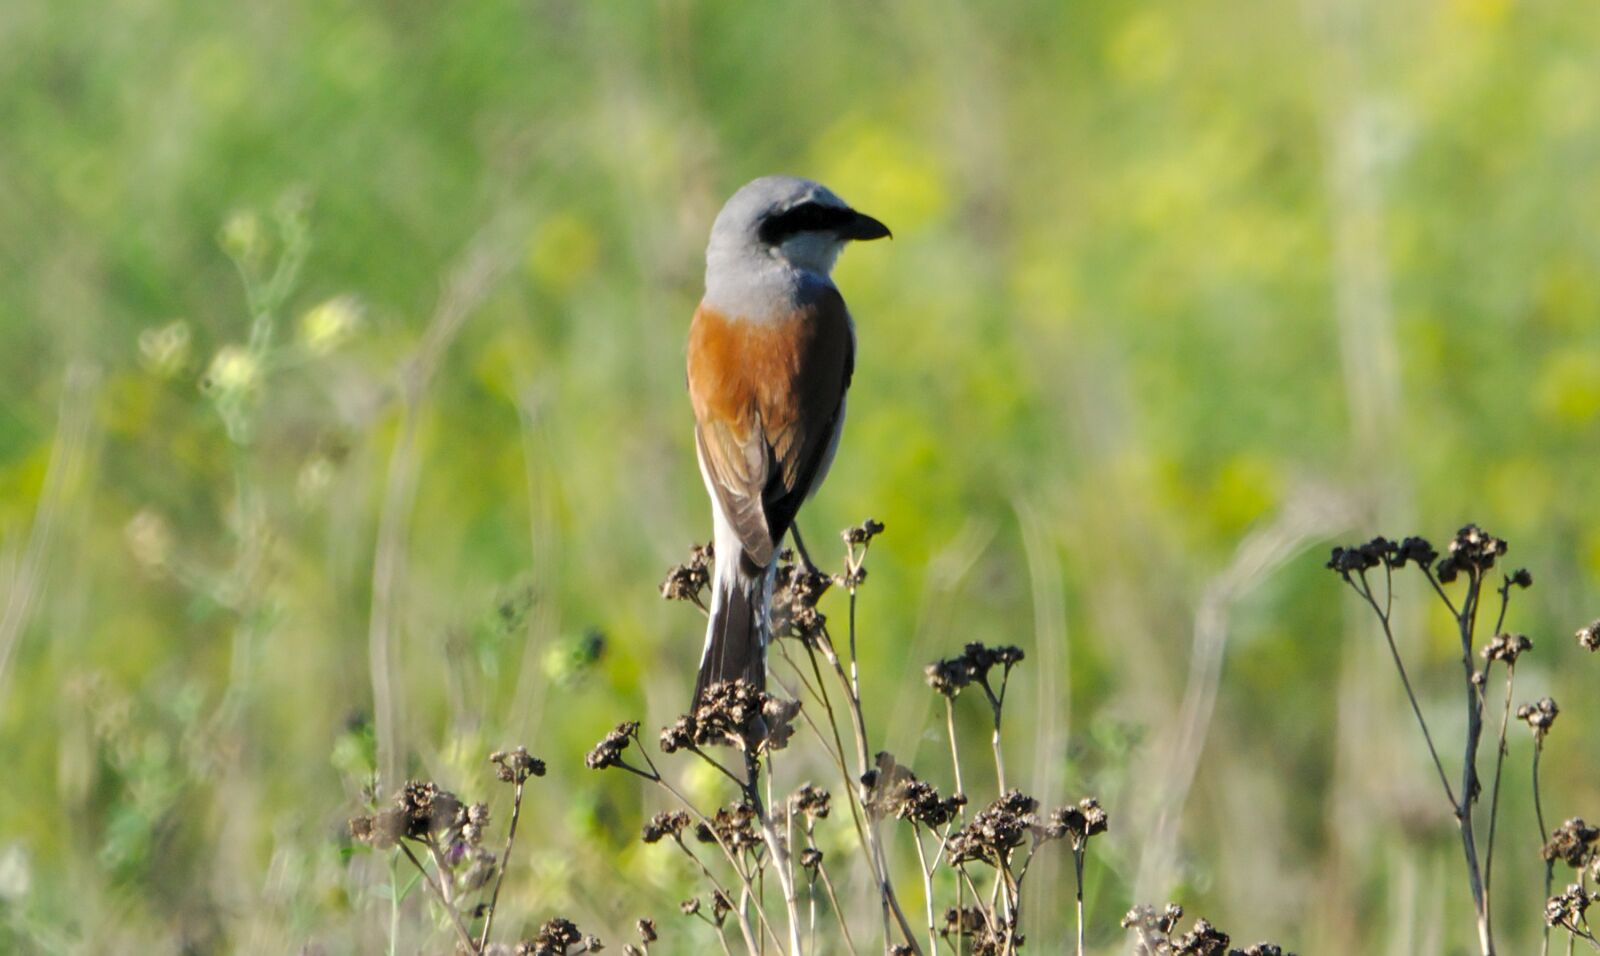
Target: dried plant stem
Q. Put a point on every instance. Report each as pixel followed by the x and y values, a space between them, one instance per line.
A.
pixel 1494 793
pixel 1544 835
pixel 833 899
pixel 500 875
pixel 1468 797
pixel 1077 871
pixel 1365 590
pixel 654 776
pixel 927 887
pixel 873 846
pixel 779 853
pixel 450 910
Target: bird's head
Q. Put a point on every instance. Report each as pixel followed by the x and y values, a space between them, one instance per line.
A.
pixel 792 219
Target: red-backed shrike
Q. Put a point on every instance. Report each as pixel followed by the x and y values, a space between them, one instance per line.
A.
pixel 771 351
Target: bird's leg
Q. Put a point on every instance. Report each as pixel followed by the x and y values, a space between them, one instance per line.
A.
pixel 800 546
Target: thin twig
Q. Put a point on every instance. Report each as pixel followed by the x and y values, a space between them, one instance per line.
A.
pixel 455 917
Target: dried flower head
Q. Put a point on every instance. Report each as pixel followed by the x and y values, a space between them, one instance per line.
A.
pixel 1356 559
pixel 1539 716
pixel 1589 637
pixel 810 858
pixel 608 752
pixel 734 712
pixel 1203 940
pixel 1473 551
pixel 721 906
pixel 1149 919
pixel 1078 823
pixel 1572 842
pixel 647 930
pixel 516 766
pixel 948 675
pixel 687 581
pixel 556 938
pixel 1567 909
pixel 796 591
pixel 998 829
pixel 863 532
pixel 733 826
pixel 814 802
pixel 1522 578
pixel 665 824
pixel 1506 647
pixel 690 907
pixel 897 792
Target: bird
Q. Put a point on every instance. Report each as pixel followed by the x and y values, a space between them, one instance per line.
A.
pixel 771 354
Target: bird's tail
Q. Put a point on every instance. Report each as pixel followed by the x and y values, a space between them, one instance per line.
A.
pixel 736 637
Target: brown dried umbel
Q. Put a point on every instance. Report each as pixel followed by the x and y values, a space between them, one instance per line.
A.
pixel 665 824
pixel 862 533
pixel 1572 842
pixel 558 937
pixel 1589 637
pixel 1567 909
pixel 1507 648
pixel 516 766
pixel 1154 929
pixel 814 802
pixel 734 826
pixel 896 792
pixel 608 752
pixel 1077 823
pixel 420 811
pixel 972 666
pixel 734 712
pixel 998 829
pixel 689 580
pixel 796 592
pixel 1539 716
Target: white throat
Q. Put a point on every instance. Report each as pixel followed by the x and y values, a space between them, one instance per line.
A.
pixel 762 284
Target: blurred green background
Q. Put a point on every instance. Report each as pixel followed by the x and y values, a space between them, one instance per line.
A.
pixel 1178 293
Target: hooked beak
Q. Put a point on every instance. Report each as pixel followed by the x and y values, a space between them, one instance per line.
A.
pixel 862 227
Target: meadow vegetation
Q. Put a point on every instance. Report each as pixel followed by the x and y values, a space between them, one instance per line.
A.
pixel 343 443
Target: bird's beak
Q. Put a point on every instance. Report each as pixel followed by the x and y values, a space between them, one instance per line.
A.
pixel 862 226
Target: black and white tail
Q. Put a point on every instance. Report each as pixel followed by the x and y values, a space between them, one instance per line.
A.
pixel 736 637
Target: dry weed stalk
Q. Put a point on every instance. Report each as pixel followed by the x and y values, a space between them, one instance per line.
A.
pixel 1470 557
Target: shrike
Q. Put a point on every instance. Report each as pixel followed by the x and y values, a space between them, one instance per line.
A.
pixel 771 351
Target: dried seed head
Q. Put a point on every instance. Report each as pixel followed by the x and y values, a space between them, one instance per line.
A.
pixel 608 752
pixel 647 930
pixel 1589 637
pixel 863 532
pixel 516 766
pixel 687 581
pixel 1566 909
pixel 1506 647
pixel 1078 823
pixel 665 824
pixel 1539 716
pixel 814 802
pixel 721 906
pixel 997 829
pixel 1572 842
pixel 1473 551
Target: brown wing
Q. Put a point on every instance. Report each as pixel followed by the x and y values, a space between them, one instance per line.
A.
pixel 767 399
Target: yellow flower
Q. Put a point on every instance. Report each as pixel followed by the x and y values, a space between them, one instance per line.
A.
pixel 233 371
pixel 329 325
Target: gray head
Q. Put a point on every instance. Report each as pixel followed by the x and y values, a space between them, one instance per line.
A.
pixel 786 221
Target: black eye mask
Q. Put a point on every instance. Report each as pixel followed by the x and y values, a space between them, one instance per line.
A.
pixel 805 217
